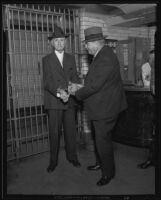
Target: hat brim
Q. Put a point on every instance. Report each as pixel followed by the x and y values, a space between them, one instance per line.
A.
pixel 95 39
pixel 52 37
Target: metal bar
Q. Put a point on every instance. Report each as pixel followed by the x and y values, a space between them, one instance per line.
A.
pixel 14 94
pixel 27 117
pixel 45 52
pixel 38 57
pixel 29 89
pixel 69 30
pixel 52 21
pixel 74 31
pixel 35 82
pixel 9 109
pixel 19 121
pixel 64 20
pixel 47 23
pixel 33 71
pixel 77 18
pixel 28 155
pixel 26 132
pixel 57 20
pixel 32 137
pixel 9 87
pixel 42 33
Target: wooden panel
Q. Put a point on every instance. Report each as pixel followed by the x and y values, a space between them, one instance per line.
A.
pixel 125 52
pixel 131 58
pixel 119 52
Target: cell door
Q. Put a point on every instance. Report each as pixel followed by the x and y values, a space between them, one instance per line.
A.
pixel 26 29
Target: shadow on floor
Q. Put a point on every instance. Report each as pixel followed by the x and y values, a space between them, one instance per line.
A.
pixel 29 175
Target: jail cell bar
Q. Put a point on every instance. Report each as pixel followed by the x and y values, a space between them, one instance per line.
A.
pixel 27 28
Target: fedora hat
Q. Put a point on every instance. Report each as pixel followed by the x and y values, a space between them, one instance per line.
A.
pixel 58 33
pixel 93 33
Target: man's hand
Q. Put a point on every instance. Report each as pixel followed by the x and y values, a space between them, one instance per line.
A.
pixel 73 87
pixel 62 94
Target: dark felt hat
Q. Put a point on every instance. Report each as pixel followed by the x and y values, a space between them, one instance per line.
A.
pixel 93 33
pixel 58 33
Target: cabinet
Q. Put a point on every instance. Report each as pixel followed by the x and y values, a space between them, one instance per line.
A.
pixel 132 53
pixel 135 126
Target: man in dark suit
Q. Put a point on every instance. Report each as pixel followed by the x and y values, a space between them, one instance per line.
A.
pixel 58 69
pixel 103 97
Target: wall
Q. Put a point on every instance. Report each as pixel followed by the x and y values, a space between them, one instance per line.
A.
pixel 106 22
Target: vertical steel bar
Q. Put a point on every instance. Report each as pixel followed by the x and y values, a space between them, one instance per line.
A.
pixel 14 91
pixel 33 76
pixel 44 53
pixel 9 87
pixel 43 33
pixel 69 27
pixel 34 91
pixel 39 79
pixel 25 74
pixel 64 16
pixel 52 21
pixel 28 77
pixel 57 20
pixel 74 33
pixel 38 76
pixel 19 96
pixel 9 114
pixel 77 24
pixel 47 23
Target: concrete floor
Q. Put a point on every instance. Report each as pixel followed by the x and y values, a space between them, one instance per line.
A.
pixel 29 175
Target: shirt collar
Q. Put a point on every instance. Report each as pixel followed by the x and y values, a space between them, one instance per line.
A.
pixel 58 53
pixel 98 51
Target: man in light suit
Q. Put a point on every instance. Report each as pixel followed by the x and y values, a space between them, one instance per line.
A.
pixel 103 97
pixel 58 69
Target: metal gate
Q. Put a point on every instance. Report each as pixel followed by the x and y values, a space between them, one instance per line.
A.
pixel 26 29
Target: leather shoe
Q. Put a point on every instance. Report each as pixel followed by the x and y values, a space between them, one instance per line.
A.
pixel 51 168
pixel 94 167
pixel 145 164
pixel 104 180
pixel 75 163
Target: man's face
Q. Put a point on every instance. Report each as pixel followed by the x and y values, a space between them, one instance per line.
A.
pixel 58 44
pixel 91 47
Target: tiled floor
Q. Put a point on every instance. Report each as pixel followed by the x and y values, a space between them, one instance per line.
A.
pixel 30 177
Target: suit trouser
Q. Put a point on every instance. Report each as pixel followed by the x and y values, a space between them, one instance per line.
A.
pixel 57 118
pixel 104 145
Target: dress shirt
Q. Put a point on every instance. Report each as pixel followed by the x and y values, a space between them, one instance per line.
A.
pixel 60 56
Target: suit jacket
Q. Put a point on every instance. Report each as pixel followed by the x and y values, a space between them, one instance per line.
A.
pixel 55 76
pixel 103 93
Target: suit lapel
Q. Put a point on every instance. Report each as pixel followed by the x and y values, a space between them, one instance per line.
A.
pixel 93 62
pixel 90 69
pixel 65 61
pixel 66 66
pixel 56 64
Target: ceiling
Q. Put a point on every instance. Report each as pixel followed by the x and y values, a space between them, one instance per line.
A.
pixel 136 15
pixel 133 15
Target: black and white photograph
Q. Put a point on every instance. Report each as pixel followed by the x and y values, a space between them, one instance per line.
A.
pixel 82 101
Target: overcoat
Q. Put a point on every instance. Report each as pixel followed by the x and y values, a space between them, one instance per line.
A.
pixel 103 92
